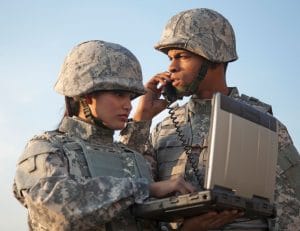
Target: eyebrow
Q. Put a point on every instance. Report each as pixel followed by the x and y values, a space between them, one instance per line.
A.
pixel 179 53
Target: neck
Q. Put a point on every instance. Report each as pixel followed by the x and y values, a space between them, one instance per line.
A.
pixel 208 93
pixel 97 122
pixel 214 81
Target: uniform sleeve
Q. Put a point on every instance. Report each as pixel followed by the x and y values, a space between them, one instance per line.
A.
pixel 150 152
pixel 136 136
pixel 287 192
pixel 60 201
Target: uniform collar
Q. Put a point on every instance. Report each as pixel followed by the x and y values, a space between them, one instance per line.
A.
pixel 204 105
pixel 195 105
pixel 234 92
pixel 73 126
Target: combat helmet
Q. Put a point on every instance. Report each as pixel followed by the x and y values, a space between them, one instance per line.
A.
pixel 202 31
pixel 98 65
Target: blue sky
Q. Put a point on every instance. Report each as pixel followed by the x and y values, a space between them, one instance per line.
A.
pixel 36 36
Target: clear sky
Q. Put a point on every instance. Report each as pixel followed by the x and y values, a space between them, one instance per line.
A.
pixel 36 35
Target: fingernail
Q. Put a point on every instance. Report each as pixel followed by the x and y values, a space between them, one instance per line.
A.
pixel 234 211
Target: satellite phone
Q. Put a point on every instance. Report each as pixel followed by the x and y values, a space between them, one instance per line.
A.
pixel 169 92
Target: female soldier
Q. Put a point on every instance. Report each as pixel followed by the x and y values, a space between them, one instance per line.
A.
pixel 76 177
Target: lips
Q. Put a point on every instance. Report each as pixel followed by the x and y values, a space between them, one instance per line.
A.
pixel 123 117
pixel 176 83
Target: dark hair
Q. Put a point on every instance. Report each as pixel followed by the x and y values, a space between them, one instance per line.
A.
pixel 72 106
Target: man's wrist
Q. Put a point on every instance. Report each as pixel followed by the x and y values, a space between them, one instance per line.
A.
pixel 140 116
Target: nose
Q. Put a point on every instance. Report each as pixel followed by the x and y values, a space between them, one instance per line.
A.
pixel 173 67
pixel 127 104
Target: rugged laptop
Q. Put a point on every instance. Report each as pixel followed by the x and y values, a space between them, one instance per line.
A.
pixel 240 171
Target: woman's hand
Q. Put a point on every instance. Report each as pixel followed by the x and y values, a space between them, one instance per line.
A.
pixel 150 104
pixel 207 221
pixel 167 187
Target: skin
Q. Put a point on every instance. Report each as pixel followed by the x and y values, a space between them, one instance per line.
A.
pixel 113 108
pixel 184 67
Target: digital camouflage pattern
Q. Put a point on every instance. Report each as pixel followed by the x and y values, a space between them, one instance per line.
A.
pixel 54 183
pixel 129 134
pixel 169 159
pixel 202 31
pixel 133 136
pixel 99 65
pixel 194 120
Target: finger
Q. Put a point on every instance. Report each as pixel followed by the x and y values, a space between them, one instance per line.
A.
pixel 202 222
pixel 186 185
pixel 186 188
pixel 160 77
pixel 182 186
pixel 164 75
pixel 182 191
pixel 159 80
pixel 220 219
pixel 225 217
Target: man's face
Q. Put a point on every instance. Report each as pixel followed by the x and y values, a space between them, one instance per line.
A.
pixel 184 67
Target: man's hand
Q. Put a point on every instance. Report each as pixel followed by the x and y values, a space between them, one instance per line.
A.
pixel 150 104
pixel 210 220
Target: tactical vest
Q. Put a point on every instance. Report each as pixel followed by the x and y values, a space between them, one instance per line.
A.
pixel 94 160
pixel 110 160
pixel 172 159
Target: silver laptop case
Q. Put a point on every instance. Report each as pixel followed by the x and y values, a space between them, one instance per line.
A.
pixel 243 147
pixel 240 173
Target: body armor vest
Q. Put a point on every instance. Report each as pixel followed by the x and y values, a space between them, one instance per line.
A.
pixel 114 160
pixel 172 159
pixel 109 160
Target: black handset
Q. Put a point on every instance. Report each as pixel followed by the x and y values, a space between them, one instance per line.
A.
pixel 169 92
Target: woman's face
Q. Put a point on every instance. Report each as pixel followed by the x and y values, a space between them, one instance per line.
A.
pixel 112 108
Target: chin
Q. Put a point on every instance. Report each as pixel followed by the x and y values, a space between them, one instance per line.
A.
pixel 116 125
pixel 119 127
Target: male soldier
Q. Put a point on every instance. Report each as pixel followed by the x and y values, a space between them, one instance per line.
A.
pixel 200 43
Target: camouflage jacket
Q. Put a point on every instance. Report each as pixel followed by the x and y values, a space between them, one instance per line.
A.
pixel 54 182
pixel 169 159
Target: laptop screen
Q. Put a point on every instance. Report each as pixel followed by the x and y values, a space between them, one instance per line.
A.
pixel 242 152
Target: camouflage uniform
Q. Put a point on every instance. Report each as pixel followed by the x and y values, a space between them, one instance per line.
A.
pixel 54 182
pixel 210 35
pixel 194 121
pixel 77 178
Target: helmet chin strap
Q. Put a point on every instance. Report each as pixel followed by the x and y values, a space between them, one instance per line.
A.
pixel 193 86
pixel 88 114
